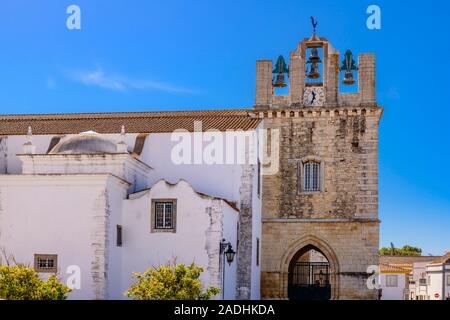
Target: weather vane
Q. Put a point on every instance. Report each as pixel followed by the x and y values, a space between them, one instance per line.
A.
pixel 314 24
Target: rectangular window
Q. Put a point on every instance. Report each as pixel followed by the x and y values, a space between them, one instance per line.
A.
pixel 311 176
pixel 257 251
pixel 391 281
pixel 163 215
pixel 46 263
pixel 448 280
pixel 422 282
pixel 119 235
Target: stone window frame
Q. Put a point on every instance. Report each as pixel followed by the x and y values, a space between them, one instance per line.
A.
pixel 448 280
pixel 153 228
pixel 301 174
pixel 52 269
pixel 389 284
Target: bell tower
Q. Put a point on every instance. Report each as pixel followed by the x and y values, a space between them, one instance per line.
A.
pixel 313 77
pixel 323 200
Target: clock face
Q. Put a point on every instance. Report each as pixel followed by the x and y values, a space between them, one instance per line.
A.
pixel 314 96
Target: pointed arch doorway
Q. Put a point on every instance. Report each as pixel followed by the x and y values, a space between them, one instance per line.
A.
pixel 309 275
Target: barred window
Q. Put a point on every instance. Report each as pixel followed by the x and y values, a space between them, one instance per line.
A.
pixel 311 171
pixel 164 215
pixel 391 281
pixel 45 263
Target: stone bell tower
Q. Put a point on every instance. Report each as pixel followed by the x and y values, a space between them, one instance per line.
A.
pixel 323 200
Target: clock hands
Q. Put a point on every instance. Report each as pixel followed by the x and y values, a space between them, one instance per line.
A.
pixel 313 97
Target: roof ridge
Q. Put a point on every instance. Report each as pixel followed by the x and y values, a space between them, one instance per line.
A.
pixel 126 114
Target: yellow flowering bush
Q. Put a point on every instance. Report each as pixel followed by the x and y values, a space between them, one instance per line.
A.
pixel 23 283
pixel 170 282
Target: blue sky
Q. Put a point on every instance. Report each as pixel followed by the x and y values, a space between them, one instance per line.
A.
pixel 166 55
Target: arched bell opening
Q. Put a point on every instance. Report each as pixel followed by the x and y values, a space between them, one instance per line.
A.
pixel 309 275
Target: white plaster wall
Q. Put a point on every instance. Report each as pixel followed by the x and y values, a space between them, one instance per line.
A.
pixel 56 215
pixel 217 180
pixel 116 195
pixel 15 146
pixel 42 142
pixel 3 154
pixel 256 233
pixel 435 285
pixel 123 166
pixel 438 281
pixel 199 229
pixel 230 222
pixel 393 293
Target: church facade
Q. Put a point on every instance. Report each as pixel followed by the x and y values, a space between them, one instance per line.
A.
pixel 109 194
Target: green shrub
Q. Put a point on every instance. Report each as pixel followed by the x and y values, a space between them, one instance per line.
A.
pixel 170 282
pixel 23 283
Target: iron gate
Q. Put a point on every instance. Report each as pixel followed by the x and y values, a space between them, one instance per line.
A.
pixel 309 281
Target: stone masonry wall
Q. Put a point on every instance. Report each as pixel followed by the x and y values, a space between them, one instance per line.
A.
pixel 343 217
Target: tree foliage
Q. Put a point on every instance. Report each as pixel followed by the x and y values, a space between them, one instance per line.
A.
pixel 404 251
pixel 23 283
pixel 170 282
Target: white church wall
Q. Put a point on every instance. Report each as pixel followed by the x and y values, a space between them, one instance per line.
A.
pixel 200 226
pixel 3 154
pixel 256 234
pixel 230 222
pixel 123 166
pixel 15 146
pixel 58 214
pixel 42 142
pixel 115 196
pixel 221 180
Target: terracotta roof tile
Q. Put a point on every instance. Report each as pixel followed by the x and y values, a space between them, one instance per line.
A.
pixel 387 268
pixel 444 259
pixel 405 260
pixel 135 122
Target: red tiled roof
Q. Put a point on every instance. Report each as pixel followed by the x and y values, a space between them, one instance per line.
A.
pixel 405 260
pixel 135 122
pixel 387 268
pixel 444 259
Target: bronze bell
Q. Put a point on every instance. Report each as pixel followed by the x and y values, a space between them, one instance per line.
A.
pixel 349 79
pixel 314 57
pixel 314 71
pixel 279 81
pixel 348 65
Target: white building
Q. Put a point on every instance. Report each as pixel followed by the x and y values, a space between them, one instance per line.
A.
pixel 415 278
pixel 438 273
pixel 394 282
pixel 109 204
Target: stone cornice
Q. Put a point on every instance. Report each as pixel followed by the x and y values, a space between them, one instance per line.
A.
pixel 309 112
